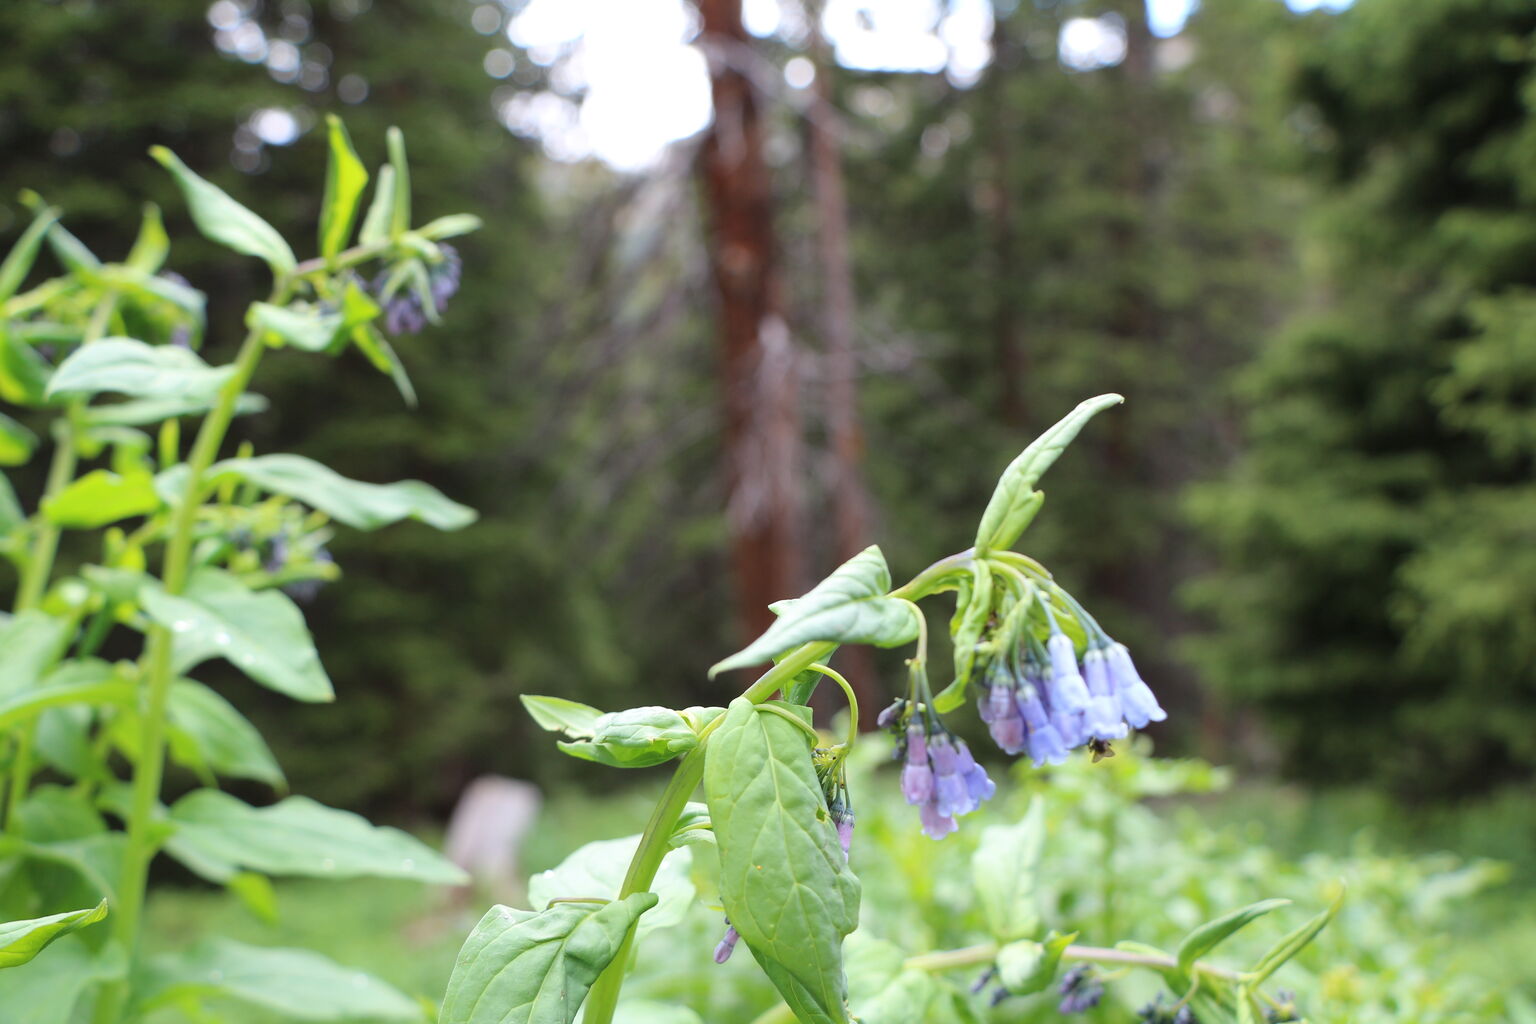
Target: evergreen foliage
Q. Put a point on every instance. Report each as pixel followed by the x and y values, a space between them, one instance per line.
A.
pixel 1377 589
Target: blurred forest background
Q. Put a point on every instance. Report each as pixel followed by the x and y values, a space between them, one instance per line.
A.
pixel 1302 245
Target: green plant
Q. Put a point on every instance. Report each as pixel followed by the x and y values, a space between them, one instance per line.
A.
pixel 199 556
pixel 776 824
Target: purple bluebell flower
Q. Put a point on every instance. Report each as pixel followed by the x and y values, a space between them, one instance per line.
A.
pixel 1137 701
pixel 404 313
pixel 999 708
pixel 1044 743
pixel 727 944
pixel 941 778
pixel 1105 720
pixel 1080 990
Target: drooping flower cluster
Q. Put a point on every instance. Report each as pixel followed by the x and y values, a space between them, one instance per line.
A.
pixel 1080 990
pixel 1043 703
pixel 938 776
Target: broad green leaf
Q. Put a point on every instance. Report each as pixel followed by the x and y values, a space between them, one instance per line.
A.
pixel 30 642
pixel 218 736
pixel 20 941
pixel 1293 943
pixel 1015 500
pixel 225 221
pixel 1025 967
pixel 24 253
pixel 17 443
pixel 359 505
pixel 345 179
pixel 101 497
pixel 48 989
pixel 527 967
pixel 381 215
pixel 451 226
pixel 971 622
pixel 636 738
pixel 849 606
pixel 294 983
pixel 309 330
pixel 784 881
pixel 383 356
pixel 598 869
pixel 53 814
pixel 152 245
pixel 261 633
pixel 556 714
pixel 129 367
pixel 1211 934
pixel 256 894
pixel 1006 870
pixel 298 836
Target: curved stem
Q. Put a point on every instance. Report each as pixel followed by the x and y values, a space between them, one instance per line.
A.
pixel 853 700
pixel 986 953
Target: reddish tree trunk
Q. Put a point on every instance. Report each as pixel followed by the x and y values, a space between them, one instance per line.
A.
pixel 759 370
pixel 850 499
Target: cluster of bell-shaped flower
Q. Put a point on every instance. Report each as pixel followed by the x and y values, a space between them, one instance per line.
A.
pixel 1045 706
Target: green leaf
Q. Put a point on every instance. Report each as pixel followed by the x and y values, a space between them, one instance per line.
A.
pixel 1026 967
pixel 11 515
pixel 598 869
pixel 152 245
pixel 556 714
pixel 306 329
pixel 784 881
pixel 101 497
pixel 30 642
pixel 262 634
pixel 73 253
pixel 294 983
pixel 451 226
pixel 47 991
pixel 880 990
pixel 298 836
pixel 154 410
pixel 400 209
pixel 1006 869
pixel 970 622
pixel 28 704
pixel 849 606
pixel 1211 934
pixel 225 221
pixel 525 967
pixel 125 366
pixel 256 894
pixel 20 941
pixel 218 736
pixel 24 253
pixel 17 443
pixel 1293 943
pixel 345 179
pixel 376 224
pixel 637 738
pixel 23 373
pixel 1015 500
pixel 362 506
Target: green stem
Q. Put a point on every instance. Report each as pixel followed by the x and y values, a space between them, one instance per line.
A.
pixel 986 953
pixel 149 767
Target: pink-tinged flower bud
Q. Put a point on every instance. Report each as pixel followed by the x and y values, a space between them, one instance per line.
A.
pixel 727 945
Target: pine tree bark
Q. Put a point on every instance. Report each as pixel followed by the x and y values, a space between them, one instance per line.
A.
pixel 758 365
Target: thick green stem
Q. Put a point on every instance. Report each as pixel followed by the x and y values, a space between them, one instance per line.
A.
pixel 149 768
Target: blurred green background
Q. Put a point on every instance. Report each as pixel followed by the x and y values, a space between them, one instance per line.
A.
pixel 1303 245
